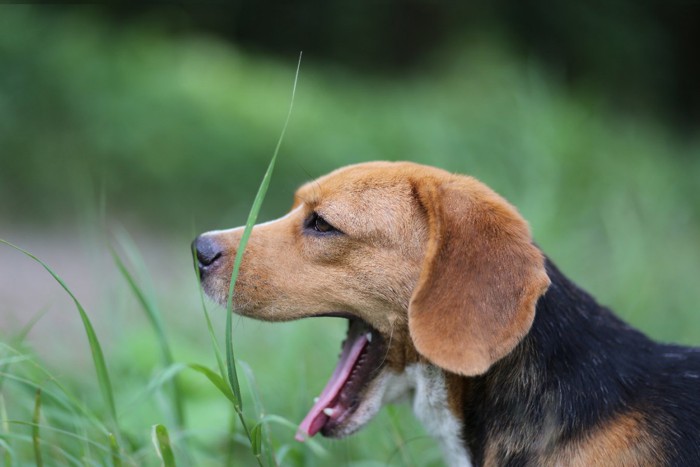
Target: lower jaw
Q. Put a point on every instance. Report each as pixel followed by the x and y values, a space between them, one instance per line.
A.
pixel 347 424
pixel 340 430
pixel 368 405
pixel 334 413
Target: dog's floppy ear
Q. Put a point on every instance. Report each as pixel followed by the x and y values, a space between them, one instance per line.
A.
pixel 481 277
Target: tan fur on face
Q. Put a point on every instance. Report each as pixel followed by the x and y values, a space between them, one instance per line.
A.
pixel 446 244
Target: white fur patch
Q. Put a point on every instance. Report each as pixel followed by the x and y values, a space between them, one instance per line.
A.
pixel 432 409
pixel 422 385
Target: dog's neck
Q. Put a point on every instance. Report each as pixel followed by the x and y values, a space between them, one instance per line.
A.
pixel 551 386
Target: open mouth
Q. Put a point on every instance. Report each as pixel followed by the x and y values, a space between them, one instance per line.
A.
pixel 361 359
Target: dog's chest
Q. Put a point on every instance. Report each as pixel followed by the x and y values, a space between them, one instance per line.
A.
pixel 431 407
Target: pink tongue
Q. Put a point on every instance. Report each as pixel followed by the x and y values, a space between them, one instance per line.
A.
pixel 315 419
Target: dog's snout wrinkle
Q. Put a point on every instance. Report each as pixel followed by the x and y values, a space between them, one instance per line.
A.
pixel 208 251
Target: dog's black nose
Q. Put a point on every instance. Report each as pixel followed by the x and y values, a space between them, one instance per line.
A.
pixel 208 251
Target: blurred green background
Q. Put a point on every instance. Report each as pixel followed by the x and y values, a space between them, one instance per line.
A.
pixel 140 126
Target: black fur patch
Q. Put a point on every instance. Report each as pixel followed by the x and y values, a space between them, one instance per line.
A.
pixel 579 367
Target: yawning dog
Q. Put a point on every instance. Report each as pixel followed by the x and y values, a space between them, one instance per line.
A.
pixel 450 304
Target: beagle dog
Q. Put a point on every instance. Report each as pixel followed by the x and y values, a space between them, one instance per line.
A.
pixel 450 304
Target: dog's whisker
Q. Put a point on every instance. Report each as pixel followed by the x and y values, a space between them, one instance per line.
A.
pixel 388 345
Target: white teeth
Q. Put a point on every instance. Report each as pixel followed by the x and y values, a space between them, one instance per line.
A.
pixel 315 399
pixel 369 337
pixel 328 411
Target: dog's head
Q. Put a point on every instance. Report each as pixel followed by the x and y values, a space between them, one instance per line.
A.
pixel 425 265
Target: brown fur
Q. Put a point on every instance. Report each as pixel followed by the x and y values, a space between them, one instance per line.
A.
pixel 402 244
pixel 625 441
pixel 439 264
pixel 481 277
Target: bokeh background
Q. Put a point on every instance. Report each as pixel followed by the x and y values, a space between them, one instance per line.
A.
pixel 139 126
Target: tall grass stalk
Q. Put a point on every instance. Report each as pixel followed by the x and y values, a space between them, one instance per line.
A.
pixel 266 441
pixel 154 317
pixel 114 451
pixel 210 327
pixel 232 375
pixel 36 439
pixel 4 423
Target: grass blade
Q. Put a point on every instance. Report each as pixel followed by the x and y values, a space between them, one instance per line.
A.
pixel 210 328
pixel 22 334
pixel 310 443
pixel 252 217
pixel 95 348
pixel 114 451
pixel 7 458
pixel 148 306
pixel 256 439
pixel 154 317
pixel 161 441
pixel 259 410
pixel 86 451
pixel 35 429
pixel 216 380
pixel 158 381
pixel 231 373
pixel 6 431
pixel 18 339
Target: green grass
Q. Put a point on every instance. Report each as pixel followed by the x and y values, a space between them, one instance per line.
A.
pixel 164 133
pixel 95 347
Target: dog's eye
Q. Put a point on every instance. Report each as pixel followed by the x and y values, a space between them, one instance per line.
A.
pixel 319 224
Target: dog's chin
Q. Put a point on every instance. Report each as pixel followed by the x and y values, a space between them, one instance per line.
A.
pixel 214 287
pixel 217 289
